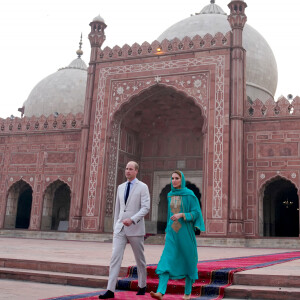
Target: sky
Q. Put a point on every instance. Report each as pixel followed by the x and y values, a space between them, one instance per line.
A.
pixel 38 37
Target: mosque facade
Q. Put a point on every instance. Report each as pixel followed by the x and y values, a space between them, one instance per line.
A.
pixel 200 99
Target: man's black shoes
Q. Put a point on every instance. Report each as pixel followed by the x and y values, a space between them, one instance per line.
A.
pixel 109 294
pixel 141 291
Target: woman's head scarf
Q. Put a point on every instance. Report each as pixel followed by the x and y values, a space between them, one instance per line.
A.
pixel 183 190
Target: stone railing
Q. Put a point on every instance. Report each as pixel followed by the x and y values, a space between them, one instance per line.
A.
pixel 281 108
pixel 166 47
pixel 34 124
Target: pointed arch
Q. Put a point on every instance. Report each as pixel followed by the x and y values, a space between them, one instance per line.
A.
pixel 18 205
pixel 155 89
pixel 155 111
pixel 279 208
pixel 56 206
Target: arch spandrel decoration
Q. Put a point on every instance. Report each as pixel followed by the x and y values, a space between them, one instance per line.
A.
pixel 49 180
pixel 264 178
pixel 193 85
pixel 14 179
pixel 190 87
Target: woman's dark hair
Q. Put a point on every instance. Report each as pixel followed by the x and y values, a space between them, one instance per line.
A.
pixel 178 173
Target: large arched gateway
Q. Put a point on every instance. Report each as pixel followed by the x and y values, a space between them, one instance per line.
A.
pixel 162 129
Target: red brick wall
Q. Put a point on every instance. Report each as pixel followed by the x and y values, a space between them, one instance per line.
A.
pixel 38 156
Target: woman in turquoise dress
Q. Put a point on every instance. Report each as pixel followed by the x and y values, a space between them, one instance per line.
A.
pixel 180 257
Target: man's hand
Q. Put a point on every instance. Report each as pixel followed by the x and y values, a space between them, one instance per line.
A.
pixel 127 222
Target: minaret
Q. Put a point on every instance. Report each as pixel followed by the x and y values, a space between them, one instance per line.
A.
pixel 96 36
pixel 237 20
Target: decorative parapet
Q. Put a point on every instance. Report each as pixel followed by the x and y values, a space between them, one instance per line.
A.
pixel 41 124
pixel 166 47
pixel 276 109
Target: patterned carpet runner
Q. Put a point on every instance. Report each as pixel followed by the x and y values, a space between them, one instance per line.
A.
pixel 214 277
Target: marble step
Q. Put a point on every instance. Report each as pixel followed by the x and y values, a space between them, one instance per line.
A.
pixel 266 280
pixel 84 280
pixel 58 267
pixel 262 292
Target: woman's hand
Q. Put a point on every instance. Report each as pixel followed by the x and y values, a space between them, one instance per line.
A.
pixel 177 216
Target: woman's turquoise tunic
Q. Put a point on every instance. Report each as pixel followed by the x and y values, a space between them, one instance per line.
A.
pixel 180 257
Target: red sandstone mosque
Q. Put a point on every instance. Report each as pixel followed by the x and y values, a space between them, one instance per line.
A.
pixel 200 99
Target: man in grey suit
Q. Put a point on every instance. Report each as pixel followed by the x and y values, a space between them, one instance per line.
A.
pixel 132 204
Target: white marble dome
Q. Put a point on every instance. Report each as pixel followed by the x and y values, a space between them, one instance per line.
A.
pixel 62 92
pixel 261 66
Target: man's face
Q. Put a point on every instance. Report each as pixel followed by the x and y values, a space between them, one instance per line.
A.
pixel 130 171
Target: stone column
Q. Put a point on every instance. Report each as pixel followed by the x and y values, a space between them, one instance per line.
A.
pixel 237 20
pixel 96 37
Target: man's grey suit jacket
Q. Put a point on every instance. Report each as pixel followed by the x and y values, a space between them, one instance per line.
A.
pixel 137 206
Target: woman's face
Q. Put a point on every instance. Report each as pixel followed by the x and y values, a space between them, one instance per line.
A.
pixel 176 181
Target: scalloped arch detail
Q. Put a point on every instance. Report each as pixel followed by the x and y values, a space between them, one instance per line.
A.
pixel 15 181
pixel 276 177
pixel 53 181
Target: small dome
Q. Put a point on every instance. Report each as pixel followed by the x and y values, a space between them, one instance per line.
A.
pixel 261 67
pixel 62 92
pixel 98 19
pixel 77 63
pixel 212 9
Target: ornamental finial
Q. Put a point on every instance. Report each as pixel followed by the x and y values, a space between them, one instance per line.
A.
pixel 212 1
pixel 79 52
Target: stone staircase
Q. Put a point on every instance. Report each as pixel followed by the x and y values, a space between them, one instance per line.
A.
pixel 56 272
pixel 249 286
pixel 56 235
pixel 245 286
pixel 53 270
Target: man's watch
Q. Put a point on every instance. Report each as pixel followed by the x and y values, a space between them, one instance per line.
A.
pixel 132 222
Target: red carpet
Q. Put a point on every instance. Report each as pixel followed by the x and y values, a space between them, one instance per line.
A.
pixel 214 277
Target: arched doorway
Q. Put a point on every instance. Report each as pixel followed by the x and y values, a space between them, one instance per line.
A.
pixel 163 205
pixel 163 209
pixel 56 207
pixel 280 209
pixel 18 208
pixel 24 209
pixel 161 129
